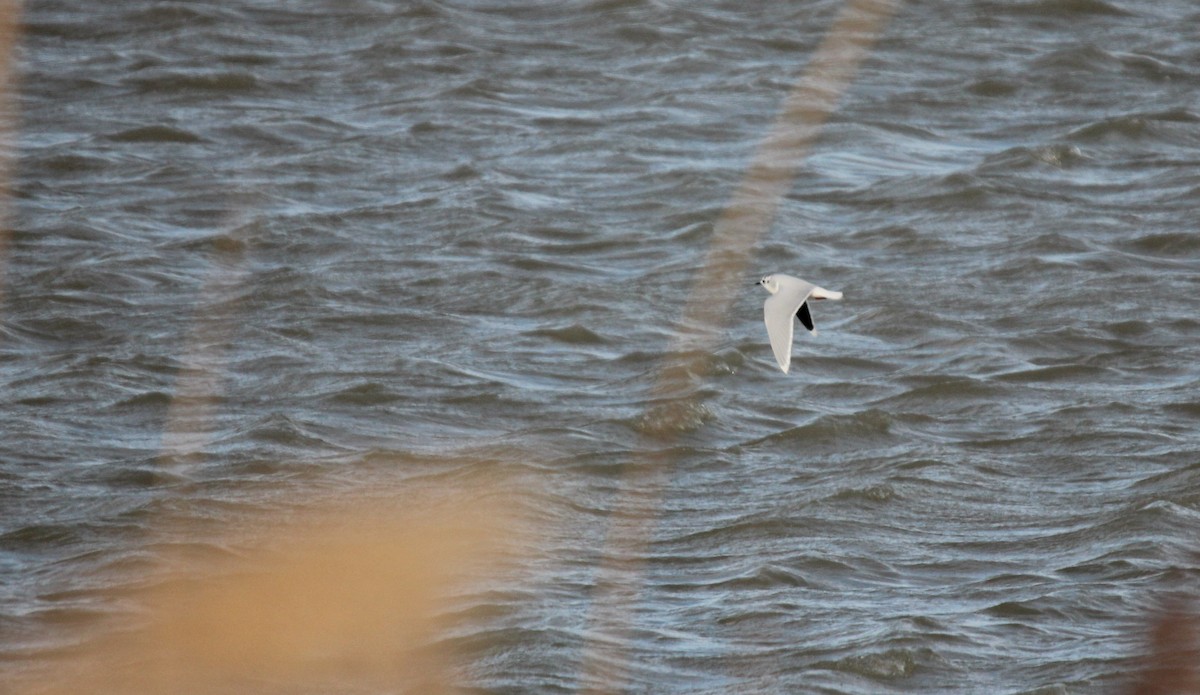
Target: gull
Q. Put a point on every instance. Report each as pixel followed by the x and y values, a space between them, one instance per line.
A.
pixel 789 297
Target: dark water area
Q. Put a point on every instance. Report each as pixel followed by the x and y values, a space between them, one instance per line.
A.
pixel 269 253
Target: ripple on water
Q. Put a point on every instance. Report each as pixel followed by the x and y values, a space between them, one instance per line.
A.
pixel 156 133
pixel 885 666
pixel 1067 9
pixel 1058 156
pixel 1154 125
pixel 867 428
pixel 1176 245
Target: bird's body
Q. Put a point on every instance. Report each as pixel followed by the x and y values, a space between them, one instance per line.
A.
pixel 789 298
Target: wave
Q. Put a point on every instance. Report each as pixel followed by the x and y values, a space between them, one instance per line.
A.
pixel 1181 244
pixel 1064 9
pixel 884 666
pixel 868 426
pixel 156 133
pixel 1159 125
pixel 1059 156
pixel 181 82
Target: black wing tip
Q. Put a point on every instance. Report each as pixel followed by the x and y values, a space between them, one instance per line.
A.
pixel 804 316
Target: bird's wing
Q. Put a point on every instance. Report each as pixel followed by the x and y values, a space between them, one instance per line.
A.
pixel 777 314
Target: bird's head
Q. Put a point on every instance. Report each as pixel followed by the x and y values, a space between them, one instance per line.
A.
pixel 770 283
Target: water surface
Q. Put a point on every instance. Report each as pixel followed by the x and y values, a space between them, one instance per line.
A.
pixel 264 254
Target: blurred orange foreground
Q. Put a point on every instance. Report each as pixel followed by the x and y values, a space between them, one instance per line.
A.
pixel 345 602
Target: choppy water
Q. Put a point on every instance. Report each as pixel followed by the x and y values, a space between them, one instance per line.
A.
pixel 263 252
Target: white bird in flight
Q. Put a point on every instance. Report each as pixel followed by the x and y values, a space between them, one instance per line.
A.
pixel 789 297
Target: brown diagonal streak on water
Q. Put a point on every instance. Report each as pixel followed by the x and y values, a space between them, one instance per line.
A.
pixel 745 220
pixel 10 26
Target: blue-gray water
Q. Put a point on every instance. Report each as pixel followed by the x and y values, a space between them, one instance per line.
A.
pixel 267 251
